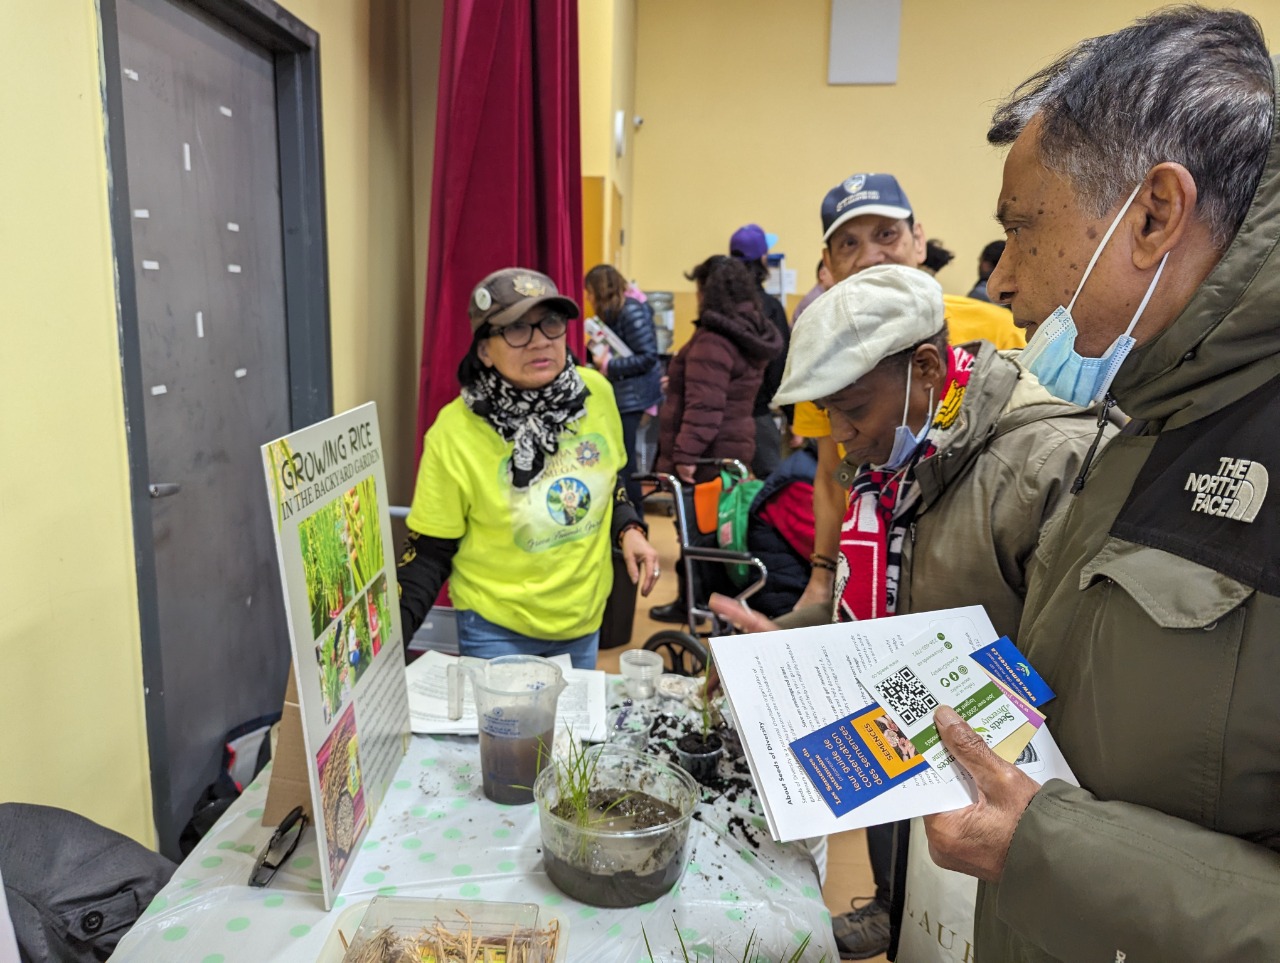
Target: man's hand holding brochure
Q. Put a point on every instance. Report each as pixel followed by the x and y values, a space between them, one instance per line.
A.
pixel 837 721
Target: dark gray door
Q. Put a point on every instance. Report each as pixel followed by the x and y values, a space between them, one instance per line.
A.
pixel 199 104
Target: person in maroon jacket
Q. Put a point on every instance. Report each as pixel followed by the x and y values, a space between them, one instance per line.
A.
pixel 713 381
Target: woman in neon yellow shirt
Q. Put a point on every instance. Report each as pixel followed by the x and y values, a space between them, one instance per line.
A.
pixel 517 501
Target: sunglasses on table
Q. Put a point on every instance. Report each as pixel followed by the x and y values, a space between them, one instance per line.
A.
pixel 520 333
pixel 283 842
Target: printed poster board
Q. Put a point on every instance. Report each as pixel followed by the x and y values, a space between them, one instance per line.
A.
pixel 348 695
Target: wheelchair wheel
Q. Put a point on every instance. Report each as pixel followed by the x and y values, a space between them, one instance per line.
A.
pixel 681 652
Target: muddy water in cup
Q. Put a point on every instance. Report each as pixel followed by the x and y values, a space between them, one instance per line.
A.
pixel 516 709
pixel 510 754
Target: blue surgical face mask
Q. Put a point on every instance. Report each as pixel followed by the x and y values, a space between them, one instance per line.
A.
pixel 905 442
pixel 1050 355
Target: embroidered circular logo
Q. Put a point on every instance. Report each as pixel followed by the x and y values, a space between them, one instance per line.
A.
pixel 484 300
pixel 529 286
pixel 568 501
pixel 588 454
pixel 854 184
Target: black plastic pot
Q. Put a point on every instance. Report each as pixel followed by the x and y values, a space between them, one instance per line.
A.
pixel 700 758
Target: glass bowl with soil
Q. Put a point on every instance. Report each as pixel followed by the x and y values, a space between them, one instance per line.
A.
pixel 615 824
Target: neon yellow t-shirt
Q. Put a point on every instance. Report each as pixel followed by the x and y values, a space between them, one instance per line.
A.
pixel 537 562
pixel 968 319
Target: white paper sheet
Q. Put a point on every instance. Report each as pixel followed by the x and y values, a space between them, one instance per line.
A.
pixel 784 685
pixel 580 708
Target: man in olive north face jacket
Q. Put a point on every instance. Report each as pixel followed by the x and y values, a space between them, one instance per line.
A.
pixel 1154 604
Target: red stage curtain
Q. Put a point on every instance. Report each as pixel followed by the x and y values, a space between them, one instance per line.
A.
pixel 507 186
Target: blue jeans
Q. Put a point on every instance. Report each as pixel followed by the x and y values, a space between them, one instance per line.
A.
pixel 479 637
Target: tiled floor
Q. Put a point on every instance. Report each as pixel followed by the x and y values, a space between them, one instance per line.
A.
pixel 848 871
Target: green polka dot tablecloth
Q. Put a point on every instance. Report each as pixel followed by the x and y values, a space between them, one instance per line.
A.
pixel 437 836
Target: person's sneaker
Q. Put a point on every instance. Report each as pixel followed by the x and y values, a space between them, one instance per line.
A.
pixel 863 932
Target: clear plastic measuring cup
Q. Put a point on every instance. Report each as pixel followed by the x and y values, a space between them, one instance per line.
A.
pixel 516 714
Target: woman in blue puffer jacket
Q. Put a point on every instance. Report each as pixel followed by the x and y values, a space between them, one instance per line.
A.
pixel 636 378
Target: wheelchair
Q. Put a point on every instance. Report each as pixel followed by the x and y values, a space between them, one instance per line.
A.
pixel 687 653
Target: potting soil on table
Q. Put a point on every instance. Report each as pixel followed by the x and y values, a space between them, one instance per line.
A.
pixel 731 782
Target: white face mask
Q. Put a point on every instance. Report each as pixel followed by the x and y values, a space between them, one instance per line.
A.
pixel 905 442
pixel 1050 355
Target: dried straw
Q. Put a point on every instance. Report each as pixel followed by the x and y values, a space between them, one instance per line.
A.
pixel 439 944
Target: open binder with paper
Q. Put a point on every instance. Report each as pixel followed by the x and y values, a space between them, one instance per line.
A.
pixel 827 756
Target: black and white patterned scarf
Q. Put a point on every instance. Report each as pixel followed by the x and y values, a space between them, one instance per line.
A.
pixel 532 418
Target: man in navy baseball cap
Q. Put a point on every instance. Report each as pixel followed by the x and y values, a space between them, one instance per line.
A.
pixel 864 194
pixel 867 220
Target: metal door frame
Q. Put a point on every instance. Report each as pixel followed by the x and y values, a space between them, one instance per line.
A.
pixel 295 49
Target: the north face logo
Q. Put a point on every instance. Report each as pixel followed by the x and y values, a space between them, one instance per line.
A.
pixel 1235 491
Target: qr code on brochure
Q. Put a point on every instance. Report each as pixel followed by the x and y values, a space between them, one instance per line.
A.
pixel 905 695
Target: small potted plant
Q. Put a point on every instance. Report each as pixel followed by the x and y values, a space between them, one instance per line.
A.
pixel 699 750
pixel 615 824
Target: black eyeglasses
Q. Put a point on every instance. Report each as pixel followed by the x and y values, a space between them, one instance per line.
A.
pixel 283 842
pixel 518 335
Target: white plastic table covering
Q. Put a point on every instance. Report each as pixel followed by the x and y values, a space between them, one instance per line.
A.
pixel 436 835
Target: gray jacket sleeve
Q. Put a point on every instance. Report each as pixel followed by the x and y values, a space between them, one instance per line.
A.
pixel 1093 880
pixel 73 888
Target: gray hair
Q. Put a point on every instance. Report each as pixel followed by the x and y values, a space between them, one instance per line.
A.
pixel 1184 84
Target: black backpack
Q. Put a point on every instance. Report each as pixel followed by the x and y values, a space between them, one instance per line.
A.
pixel 244 754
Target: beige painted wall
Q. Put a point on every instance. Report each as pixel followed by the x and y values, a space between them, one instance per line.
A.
pixel 740 124
pixel 379 60
pixel 607 84
pixel 69 637
pixel 72 709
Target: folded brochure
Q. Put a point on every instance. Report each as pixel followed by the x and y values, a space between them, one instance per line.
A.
pixel 788 686
pixel 887 742
pixel 932 671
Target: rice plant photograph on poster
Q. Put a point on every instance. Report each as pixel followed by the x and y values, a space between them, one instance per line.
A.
pixel 359 641
pixel 341 792
pixel 379 612
pixel 333 663
pixel 326 565
pixel 362 532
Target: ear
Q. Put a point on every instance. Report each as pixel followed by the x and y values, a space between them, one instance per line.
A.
pixel 826 258
pixel 917 235
pixel 1166 203
pixel 929 365
pixel 482 352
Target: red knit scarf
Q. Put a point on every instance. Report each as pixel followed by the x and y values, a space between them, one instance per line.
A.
pixel 882 505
